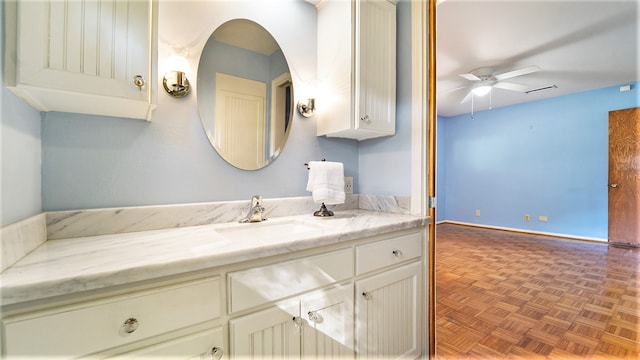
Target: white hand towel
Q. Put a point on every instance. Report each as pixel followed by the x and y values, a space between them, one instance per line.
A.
pixel 326 182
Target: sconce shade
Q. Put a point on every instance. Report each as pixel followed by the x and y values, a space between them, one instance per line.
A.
pixel 176 84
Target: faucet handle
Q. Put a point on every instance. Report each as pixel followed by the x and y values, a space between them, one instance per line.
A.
pixel 255 200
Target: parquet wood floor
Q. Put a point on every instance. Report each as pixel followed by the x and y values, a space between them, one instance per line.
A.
pixel 505 295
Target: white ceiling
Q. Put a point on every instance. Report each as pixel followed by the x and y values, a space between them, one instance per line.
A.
pixel 579 45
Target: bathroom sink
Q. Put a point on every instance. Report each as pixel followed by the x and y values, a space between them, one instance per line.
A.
pixel 270 229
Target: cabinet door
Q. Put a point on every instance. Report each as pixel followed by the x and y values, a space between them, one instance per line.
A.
pixel 82 56
pixel 270 333
pixel 388 313
pixel 328 332
pixel 376 66
pixel 357 68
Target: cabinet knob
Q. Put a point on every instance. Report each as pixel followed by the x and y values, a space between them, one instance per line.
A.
pixel 365 119
pixel 397 253
pixel 216 353
pixel 138 81
pixel 367 295
pixel 315 317
pixel 297 321
pixel 130 325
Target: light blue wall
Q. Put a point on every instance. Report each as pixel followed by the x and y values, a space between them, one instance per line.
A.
pixel 441 170
pixel 96 162
pixel 20 153
pixel 548 157
pixel 385 163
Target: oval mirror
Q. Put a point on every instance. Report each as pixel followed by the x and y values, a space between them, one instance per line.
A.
pixel 245 94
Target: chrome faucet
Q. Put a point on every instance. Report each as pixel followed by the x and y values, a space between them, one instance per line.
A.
pixel 256 211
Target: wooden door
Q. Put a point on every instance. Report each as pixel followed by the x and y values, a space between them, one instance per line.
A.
pixel 624 176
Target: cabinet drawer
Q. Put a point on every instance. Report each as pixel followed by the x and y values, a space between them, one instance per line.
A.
pixel 260 285
pixel 94 326
pixel 208 344
pixel 387 252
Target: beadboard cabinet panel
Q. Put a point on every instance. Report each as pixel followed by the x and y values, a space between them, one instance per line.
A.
pixel 388 313
pixel 82 56
pixel 356 68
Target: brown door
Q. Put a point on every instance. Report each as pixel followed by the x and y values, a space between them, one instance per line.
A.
pixel 624 176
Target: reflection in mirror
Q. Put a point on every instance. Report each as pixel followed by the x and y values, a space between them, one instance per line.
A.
pixel 245 94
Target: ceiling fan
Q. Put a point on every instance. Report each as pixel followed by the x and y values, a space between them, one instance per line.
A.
pixel 485 79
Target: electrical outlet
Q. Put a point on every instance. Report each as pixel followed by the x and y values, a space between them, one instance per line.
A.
pixel 543 218
pixel 527 217
pixel 478 213
pixel 348 185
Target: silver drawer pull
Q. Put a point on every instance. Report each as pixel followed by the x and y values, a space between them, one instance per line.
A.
pixel 366 295
pixel 130 325
pixel 397 253
pixel 216 353
pixel 315 317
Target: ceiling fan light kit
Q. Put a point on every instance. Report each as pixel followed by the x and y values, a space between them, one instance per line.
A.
pixel 481 90
pixel 485 79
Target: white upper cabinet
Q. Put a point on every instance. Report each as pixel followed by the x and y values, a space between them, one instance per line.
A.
pixel 83 56
pixel 356 68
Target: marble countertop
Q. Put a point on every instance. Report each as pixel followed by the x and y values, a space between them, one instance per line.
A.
pixel 66 266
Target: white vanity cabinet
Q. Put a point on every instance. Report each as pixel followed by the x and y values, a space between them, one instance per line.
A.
pixel 388 313
pixel 365 300
pixel 92 57
pixel 388 305
pixel 343 297
pixel 99 327
pixel 317 325
pixel 311 323
pixel 356 68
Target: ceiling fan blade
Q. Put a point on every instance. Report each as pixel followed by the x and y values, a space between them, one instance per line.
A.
pixel 452 90
pixel 518 72
pixel 511 86
pixel 470 77
pixel 467 97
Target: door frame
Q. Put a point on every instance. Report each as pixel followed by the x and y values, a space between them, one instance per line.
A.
pixel 423 142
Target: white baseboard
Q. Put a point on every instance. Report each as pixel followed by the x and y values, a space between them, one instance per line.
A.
pixel 564 236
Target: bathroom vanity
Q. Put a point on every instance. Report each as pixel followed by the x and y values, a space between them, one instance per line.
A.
pixel 298 286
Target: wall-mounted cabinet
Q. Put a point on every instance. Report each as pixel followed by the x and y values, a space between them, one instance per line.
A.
pixel 89 57
pixel 356 68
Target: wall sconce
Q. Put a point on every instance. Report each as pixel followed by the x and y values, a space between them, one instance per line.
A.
pixel 176 83
pixel 175 80
pixel 308 109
